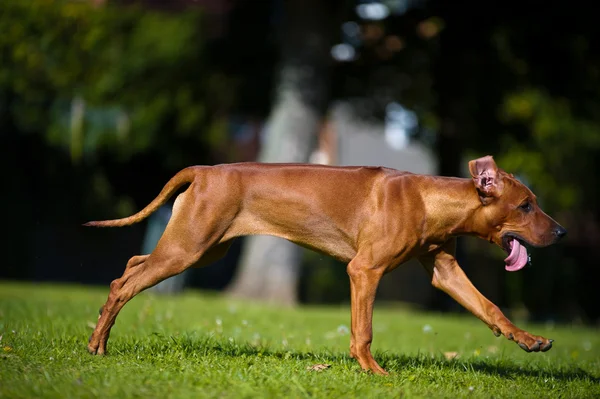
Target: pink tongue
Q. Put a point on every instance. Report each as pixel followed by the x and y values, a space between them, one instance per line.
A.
pixel 517 258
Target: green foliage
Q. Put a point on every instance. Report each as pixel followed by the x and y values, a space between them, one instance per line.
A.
pixel 549 126
pixel 197 345
pixel 106 78
pixel 558 152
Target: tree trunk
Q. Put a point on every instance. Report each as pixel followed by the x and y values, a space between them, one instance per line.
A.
pixel 269 266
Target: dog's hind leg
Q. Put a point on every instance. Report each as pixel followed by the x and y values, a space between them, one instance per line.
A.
pixel 136 261
pixel 182 245
pixel 153 270
pixel 133 262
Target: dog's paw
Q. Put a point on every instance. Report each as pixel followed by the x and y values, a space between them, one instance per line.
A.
pixel 94 348
pixel 95 351
pixel 529 342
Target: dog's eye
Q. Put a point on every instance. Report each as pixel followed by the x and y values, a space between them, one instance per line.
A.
pixel 526 206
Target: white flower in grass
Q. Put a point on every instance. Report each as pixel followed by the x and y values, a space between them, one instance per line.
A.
pixel 342 329
pixel 587 346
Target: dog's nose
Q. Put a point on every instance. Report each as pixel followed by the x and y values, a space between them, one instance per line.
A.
pixel 560 232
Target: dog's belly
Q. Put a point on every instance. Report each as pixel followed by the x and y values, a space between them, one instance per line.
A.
pixel 315 232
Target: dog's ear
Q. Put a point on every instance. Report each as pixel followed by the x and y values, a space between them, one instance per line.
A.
pixel 486 178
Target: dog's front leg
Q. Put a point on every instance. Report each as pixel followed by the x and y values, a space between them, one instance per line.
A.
pixel 447 275
pixel 364 279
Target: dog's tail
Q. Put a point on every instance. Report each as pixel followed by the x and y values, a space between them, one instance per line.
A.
pixel 181 178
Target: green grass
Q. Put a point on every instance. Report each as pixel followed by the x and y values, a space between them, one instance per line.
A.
pixel 203 345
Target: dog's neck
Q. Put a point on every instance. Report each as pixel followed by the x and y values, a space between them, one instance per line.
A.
pixel 451 208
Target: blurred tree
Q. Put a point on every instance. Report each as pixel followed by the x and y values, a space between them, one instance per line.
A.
pixel 269 266
pixel 391 64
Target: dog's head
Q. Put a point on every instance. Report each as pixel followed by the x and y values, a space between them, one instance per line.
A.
pixel 510 213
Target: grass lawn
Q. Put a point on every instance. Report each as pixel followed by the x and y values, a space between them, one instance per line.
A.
pixel 203 345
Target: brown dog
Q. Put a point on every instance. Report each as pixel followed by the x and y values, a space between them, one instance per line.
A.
pixel 373 218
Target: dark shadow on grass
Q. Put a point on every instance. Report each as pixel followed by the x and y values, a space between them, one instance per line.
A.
pixel 504 368
pixel 195 346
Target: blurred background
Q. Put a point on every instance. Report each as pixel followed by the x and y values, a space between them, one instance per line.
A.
pixel 102 101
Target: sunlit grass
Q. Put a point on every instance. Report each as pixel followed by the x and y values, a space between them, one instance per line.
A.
pixel 203 345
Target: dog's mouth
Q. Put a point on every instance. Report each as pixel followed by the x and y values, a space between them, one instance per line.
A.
pixel 517 253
